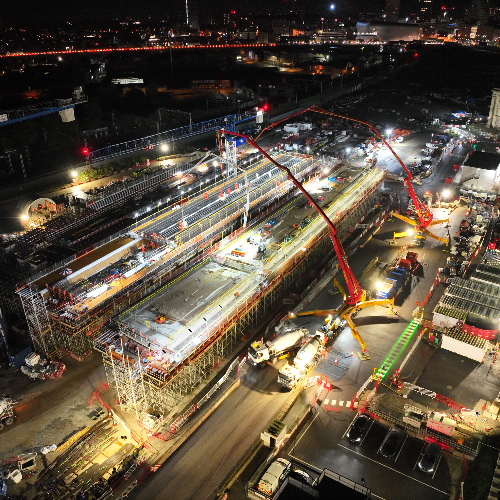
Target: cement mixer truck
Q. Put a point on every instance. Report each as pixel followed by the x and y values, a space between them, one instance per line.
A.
pixel 307 357
pixel 260 352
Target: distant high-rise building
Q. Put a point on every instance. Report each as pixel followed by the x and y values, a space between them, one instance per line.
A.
pixel 392 11
pixel 424 11
pixel 192 15
pixel 480 11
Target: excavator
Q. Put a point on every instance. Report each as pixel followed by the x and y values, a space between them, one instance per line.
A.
pixel 355 299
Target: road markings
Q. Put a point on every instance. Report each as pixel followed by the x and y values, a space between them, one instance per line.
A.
pixel 298 460
pixel 395 470
pixel 364 437
pixel 437 465
pixel 303 434
pixel 397 456
pixel 350 425
pixel 341 403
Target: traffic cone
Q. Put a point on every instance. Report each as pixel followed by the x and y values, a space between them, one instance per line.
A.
pixel 335 360
pixel 484 406
pixel 487 429
pixel 472 422
pixel 352 354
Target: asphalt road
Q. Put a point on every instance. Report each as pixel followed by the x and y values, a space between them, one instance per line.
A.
pixel 207 456
pixel 323 444
pixel 202 463
pixel 388 478
pixel 226 435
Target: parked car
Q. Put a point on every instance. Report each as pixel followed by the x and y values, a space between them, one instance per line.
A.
pixel 301 476
pixel 430 457
pixel 359 428
pixel 391 443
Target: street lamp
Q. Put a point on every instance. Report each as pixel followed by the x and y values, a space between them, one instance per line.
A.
pixel 164 147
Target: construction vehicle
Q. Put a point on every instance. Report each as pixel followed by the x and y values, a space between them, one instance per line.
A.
pixel 260 353
pixel 356 298
pixel 42 369
pixel 428 199
pixel 6 411
pixel 425 217
pixel 336 319
pixel 307 357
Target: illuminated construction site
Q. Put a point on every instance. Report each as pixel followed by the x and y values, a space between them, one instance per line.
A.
pixel 166 344
pixel 167 301
pixel 66 308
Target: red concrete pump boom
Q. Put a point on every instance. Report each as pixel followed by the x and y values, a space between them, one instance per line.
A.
pixel 355 290
pixel 424 215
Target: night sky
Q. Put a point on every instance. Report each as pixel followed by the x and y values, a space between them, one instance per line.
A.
pixel 85 10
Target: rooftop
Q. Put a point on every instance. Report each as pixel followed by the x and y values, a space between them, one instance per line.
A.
pixel 482 160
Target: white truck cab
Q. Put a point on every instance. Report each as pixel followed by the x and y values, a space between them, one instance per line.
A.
pixel 274 476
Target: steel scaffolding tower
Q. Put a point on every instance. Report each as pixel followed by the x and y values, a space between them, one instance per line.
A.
pixel 38 321
pixel 125 372
pixel 163 391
